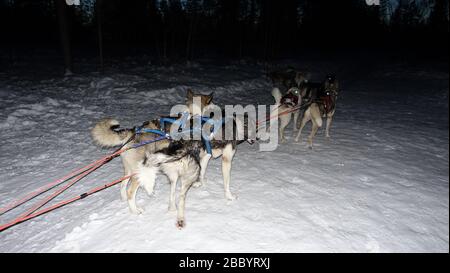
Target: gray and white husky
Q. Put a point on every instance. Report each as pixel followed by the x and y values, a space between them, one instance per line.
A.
pixel 180 160
pixel 107 133
pixel 184 160
pixel 287 78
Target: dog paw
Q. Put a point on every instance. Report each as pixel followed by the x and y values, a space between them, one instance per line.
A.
pixel 180 224
pixel 297 139
pixel 230 196
pixel 172 208
pixel 137 211
pixel 197 184
pixel 283 140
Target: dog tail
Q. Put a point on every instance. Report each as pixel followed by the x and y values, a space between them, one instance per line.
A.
pixel 104 133
pixel 276 93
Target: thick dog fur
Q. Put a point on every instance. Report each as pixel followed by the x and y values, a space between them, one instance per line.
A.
pixel 205 100
pixel 180 160
pixel 315 112
pixel 184 160
pixel 140 161
pixel 285 118
pixel 106 134
pixel 288 78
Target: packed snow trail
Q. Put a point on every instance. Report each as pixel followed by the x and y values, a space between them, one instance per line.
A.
pixel 380 183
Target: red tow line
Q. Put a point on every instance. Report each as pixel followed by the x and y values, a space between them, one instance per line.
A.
pixel 269 117
pixel 73 177
pixel 62 203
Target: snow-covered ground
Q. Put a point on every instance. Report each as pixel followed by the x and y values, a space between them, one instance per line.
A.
pixel 379 185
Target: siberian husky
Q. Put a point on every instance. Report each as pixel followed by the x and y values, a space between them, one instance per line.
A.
pixel 180 160
pixel 106 133
pixel 287 79
pixel 288 105
pixel 322 98
pixel 187 161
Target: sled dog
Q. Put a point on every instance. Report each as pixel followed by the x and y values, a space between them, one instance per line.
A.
pixel 106 133
pixel 287 79
pixel 322 99
pixel 180 160
pixel 287 105
pixel 187 161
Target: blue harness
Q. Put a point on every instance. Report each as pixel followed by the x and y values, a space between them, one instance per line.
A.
pixel 181 123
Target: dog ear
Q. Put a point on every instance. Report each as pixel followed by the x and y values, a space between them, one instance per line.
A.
pixel 210 97
pixel 189 94
pixel 302 92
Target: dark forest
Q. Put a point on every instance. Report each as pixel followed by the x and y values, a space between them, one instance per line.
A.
pixel 177 31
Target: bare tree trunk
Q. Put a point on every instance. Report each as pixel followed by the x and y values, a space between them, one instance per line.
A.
pixel 241 39
pixel 189 39
pixel 266 42
pixel 10 38
pixel 165 46
pixel 98 6
pixel 64 35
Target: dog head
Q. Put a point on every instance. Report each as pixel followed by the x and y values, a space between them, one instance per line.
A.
pixel 205 100
pixel 292 98
pixel 294 90
pixel 152 124
pixel 331 84
pixel 300 78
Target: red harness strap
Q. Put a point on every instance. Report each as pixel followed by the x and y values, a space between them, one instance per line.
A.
pixel 289 99
pixel 328 103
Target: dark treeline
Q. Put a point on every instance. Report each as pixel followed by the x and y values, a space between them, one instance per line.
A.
pixel 173 30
